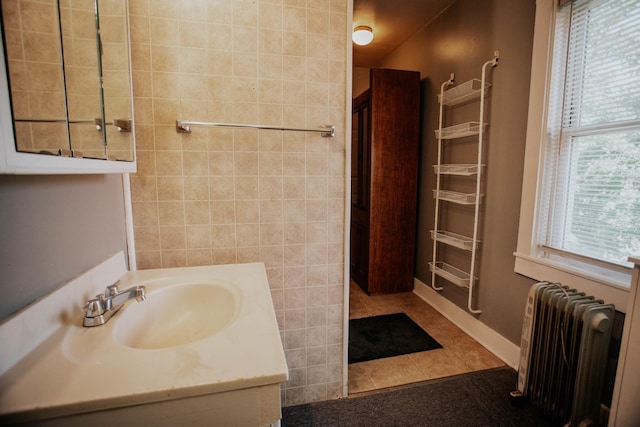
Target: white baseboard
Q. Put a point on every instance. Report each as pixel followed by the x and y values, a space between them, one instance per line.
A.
pixel 504 349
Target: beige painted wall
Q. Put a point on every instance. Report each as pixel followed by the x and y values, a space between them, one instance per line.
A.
pixel 221 196
pixel 52 228
pixel 460 40
pixel 360 81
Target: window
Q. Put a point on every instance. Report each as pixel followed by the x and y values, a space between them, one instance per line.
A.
pixel 581 193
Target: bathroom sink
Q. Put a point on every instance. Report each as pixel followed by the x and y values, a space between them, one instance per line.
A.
pixel 176 315
pixel 204 344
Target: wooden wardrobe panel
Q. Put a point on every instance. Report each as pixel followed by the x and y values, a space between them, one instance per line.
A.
pixel 394 104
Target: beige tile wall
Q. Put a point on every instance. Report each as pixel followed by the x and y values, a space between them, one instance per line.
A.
pixel 232 196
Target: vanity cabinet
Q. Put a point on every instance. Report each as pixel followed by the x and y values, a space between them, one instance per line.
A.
pixel 384 179
pixel 58 373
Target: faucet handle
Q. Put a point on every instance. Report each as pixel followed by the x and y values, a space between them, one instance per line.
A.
pixel 141 293
pixel 94 307
pixel 112 290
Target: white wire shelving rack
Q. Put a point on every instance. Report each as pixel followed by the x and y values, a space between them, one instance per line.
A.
pixel 451 96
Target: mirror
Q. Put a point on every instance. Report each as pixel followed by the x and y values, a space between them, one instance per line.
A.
pixel 34 60
pixel 115 68
pixel 69 83
pixel 80 43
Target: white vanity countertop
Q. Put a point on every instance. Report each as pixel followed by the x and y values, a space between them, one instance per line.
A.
pixel 81 369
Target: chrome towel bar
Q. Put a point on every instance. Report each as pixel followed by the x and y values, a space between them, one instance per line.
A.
pixel 184 126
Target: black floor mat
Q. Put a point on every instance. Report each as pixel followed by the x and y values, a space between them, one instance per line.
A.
pixel 388 335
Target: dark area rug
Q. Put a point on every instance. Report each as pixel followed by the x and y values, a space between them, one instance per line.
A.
pixel 388 335
pixel 475 399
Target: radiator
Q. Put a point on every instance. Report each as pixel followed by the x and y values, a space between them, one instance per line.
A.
pixel 563 353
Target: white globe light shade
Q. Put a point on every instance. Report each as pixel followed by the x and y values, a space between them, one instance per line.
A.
pixel 362 35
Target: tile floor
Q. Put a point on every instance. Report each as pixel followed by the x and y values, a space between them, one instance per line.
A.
pixel 459 353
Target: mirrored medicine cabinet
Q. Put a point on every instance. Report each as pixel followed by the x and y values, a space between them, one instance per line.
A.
pixel 65 87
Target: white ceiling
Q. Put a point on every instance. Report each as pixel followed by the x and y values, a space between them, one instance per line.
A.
pixel 393 22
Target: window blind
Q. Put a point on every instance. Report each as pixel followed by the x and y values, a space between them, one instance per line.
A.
pixel 591 203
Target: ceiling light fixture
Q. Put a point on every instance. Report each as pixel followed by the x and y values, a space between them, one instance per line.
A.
pixel 362 35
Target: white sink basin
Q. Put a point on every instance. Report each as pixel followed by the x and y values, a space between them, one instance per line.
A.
pixel 176 315
pixel 211 332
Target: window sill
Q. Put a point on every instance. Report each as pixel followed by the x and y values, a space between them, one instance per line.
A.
pixel 612 287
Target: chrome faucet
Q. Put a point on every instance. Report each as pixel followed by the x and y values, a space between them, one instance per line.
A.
pixel 100 309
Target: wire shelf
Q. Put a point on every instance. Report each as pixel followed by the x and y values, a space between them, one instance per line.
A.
pixel 458 169
pixel 464 92
pixel 451 273
pixel 459 131
pixel 453 239
pixel 455 197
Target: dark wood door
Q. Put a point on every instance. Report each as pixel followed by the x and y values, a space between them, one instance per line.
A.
pixel 360 191
pixel 384 172
pixel 394 106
